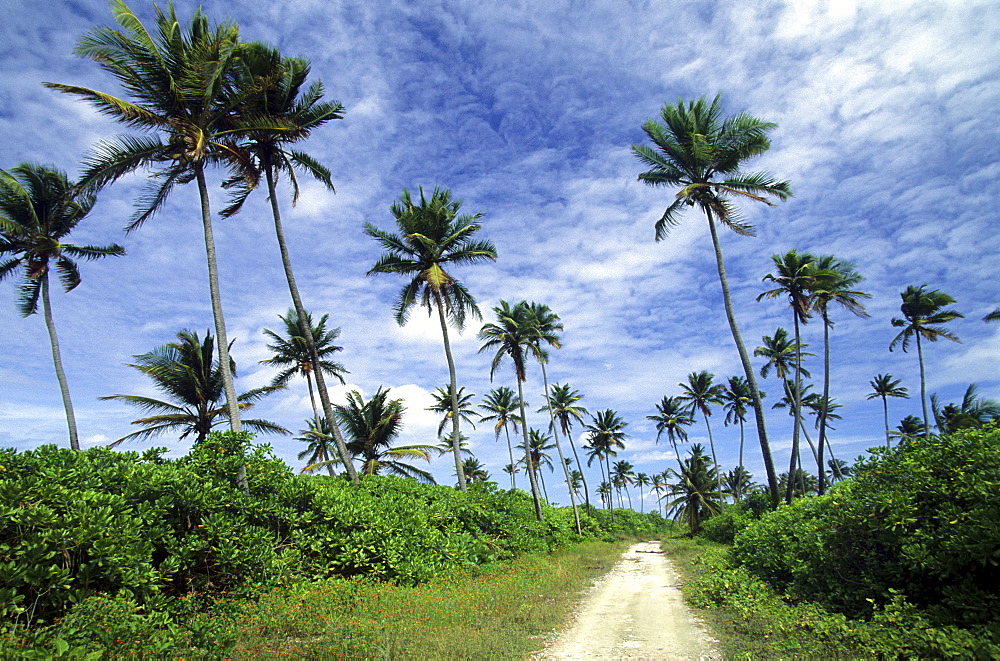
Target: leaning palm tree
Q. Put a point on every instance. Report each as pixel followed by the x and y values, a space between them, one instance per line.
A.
pixel 794 275
pixel 672 416
pixel 291 352
pixel 501 405
pixel 371 428
pixel 884 386
pixel 432 235
pixel 272 121
pixel 922 319
pixel 512 336
pixel 39 208
pixel 185 372
pixel 563 401
pixel 701 152
pixel 699 392
pixel 833 283
pixel 180 81
pixel 442 405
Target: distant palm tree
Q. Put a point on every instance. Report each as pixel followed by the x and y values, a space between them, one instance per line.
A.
pixel 186 373
pixel 604 491
pixel 736 397
pixel 699 391
pixel 922 318
pixel 839 470
pixel 291 352
pixel 606 436
pixel 442 404
pixel 536 453
pixel 641 480
pixel 658 483
pixel 884 386
pixel 502 405
pixel 672 416
pixel 781 352
pixel 803 484
pixel 701 152
pixel 474 470
pixel 909 428
pixel 432 235
pixel 624 473
pixel 737 483
pixel 39 208
pixel 972 412
pixel 697 491
pixel 371 428
pixel 320 448
pixel 563 401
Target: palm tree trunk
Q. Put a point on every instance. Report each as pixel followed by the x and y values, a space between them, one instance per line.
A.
pixel 555 435
pixel 611 508
pixel 825 402
pixel 510 452
pixel 885 415
pixel 583 478
pixel 711 444
pixel 923 387
pixel 324 396
pixel 232 403
pixel 74 438
pixel 456 438
pixel 796 412
pixel 527 454
pixel 765 448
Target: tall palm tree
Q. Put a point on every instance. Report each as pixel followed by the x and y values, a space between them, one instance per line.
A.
pixel 319 450
pixel 624 473
pixel 546 331
pixel 501 405
pixel 432 236
pixel 442 404
pixel 696 489
pixel 657 484
pixel 737 483
pixel 795 275
pixel 699 392
pixel 834 283
pixel 272 121
pixel 781 352
pixel 536 455
pixel 884 386
pixel 39 208
pixel 606 436
pixel 371 428
pixel 923 316
pixel 291 352
pixel 701 152
pixel 512 336
pixel 186 373
pixel 736 397
pixel 672 416
pixel 563 401
pixel 180 81
pixel 641 480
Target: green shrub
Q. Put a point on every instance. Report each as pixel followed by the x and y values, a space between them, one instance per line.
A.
pixel 723 527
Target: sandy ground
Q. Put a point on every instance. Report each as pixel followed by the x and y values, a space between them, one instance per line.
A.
pixel 635 612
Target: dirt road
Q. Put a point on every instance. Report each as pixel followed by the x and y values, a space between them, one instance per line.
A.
pixel 635 612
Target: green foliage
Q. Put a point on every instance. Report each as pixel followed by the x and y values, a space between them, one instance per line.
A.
pixel 918 525
pixel 724 526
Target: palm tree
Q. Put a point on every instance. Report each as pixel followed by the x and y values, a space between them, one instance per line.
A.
pixel 39 208
pixel 781 353
pixel 992 316
pixel 972 412
pixel 696 490
pixel 292 353
pixel 737 483
pixel 657 484
pixel 371 428
pixel 536 453
pixel 838 470
pixel 186 373
pixel 699 151
pixel 922 319
pixel 442 404
pixel 795 276
pixel 563 401
pixel 641 480
pixel 445 446
pixel 673 416
pixel 513 336
pixel 319 438
pixel 833 283
pixel 700 392
pixel 624 473
pixel 502 405
pixel 604 491
pixel 180 80
pixel 474 470
pixel 607 436
pixel 280 116
pixel 909 428
pixel 884 386
pixel 545 331
pixel 803 483
pixel 736 397
pixel 432 236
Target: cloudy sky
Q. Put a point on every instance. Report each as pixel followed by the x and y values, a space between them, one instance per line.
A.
pixel 887 132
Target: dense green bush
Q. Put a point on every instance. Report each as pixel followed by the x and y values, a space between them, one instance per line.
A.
pixel 723 527
pixel 918 525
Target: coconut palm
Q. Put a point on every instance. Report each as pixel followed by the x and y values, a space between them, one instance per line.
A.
pixel 181 85
pixel 563 401
pixel 838 470
pixel 371 428
pixel 186 373
pixel 474 470
pixel 536 455
pixel 699 392
pixel 445 446
pixel 641 480
pixel 672 416
pixel 737 483
pixel 604 491
pixel 834 282
pixel 501 404
pixel 291 352
pixel 795 275
pixel 442 404
pixel 432 236
pixel 657 484
pixel 972 412
pixel 39 208
pixel 923 316
pixel 606 436
pixel 697 491
pixel 781 352
pixel 884 386
pixel 320 448
pixel 909 428
pixel 803 484
pixel 512 335
pixel 624 473
pixel 273 120
pixel 701 152
pixel 736 397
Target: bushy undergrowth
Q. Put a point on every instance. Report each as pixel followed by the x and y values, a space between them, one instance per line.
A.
pixel 724 526
pixel 150 535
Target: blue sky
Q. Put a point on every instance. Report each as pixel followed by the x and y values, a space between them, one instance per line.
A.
pixel 887 132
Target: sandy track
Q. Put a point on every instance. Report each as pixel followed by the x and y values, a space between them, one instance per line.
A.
pixel 635 612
